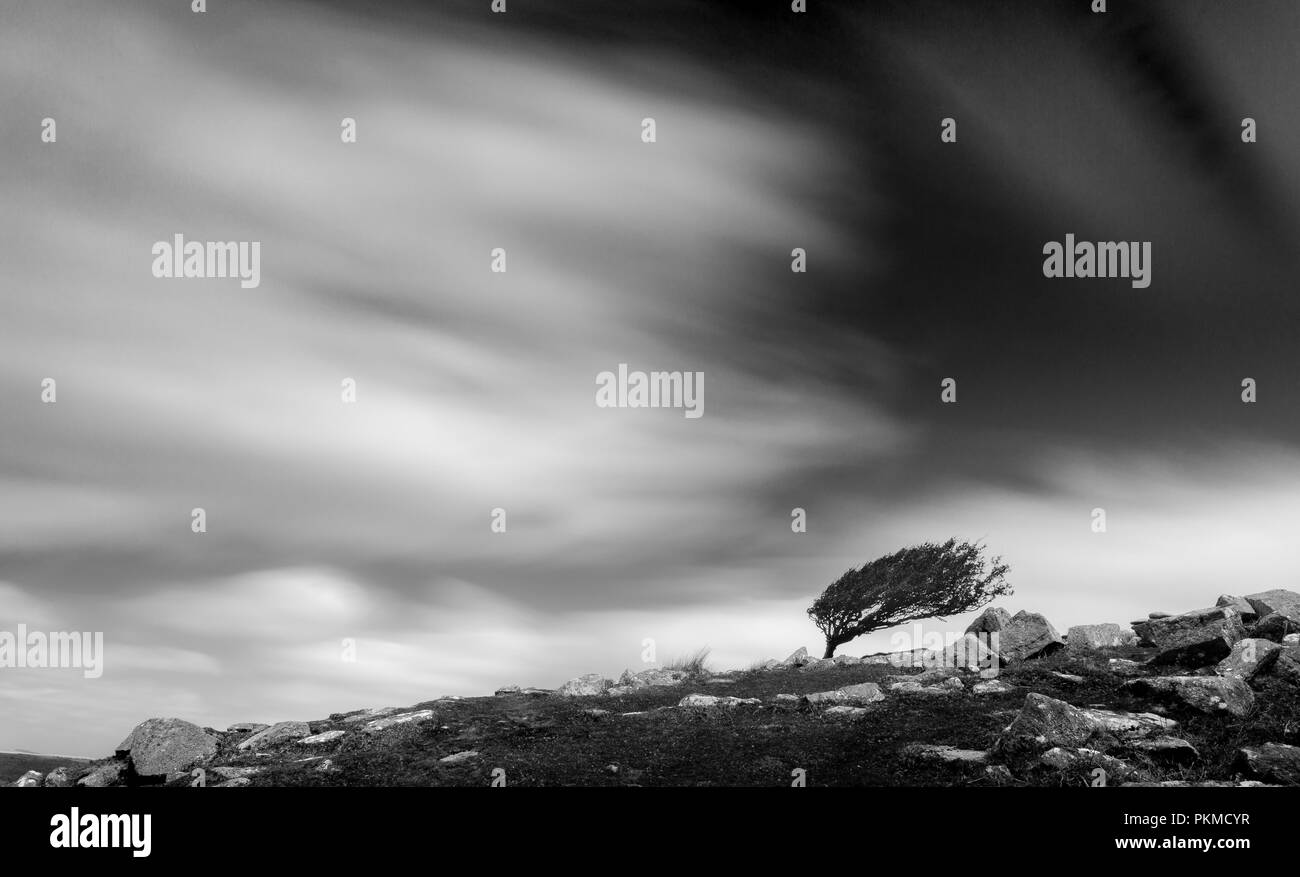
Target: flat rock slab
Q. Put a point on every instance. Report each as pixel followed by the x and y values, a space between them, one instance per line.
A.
pixel 317 739
pixel 844 711
pixel 158 747
pixel 400 719
pixel 280 732
pixel 711 702
pixel 849 695
pixel 1208 694
pixel 459 757
pixel 1045 722
pixel 946 754
pixel 372 713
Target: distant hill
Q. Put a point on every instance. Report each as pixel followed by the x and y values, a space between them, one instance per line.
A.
pixel 14 764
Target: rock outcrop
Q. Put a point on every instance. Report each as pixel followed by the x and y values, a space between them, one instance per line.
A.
pixel 1208 694
pixel 158 747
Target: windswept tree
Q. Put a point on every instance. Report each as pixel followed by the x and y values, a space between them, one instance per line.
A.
pixel 924 581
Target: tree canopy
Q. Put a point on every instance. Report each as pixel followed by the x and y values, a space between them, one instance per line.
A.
pixel 924 581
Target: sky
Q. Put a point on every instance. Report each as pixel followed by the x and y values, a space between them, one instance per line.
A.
pixel 370 521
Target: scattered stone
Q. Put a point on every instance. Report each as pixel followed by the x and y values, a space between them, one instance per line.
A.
pixel 400 719
pixel 718 680
pixel 1291 640
pixel 58 779
pixel 998 774
pixel 863 693
pixel 652 678
pixel 1209 694
pixel 1069 677
pixel 109 774
pixel 459 757
pixel 237 782
pixel 989 621
pixel 589 685
pixel 875 660
pixel 798 657
pixel 1045 722
pixel 1276 601
pixel 317 739
pixel 946 754
pixel 1062 758
pixel 280 732
pixel 847 712
pixel 1027 635
pixel 1142 629
pixel 1241 604
pixel 1272 762
pixel 1275 627
pixel 847 660
pixel 1197 638
pixel 157 747
pixel 709 701
pixel 1286 668
pixel 1167 750
pixel 854 695
pixel 30 780
pixel 507 689
pixel 596 713
pixel 247 727
pixel 1247 658
pixel 971 652
pixel 786 698
pixel 817 664
pixel 992 686
pixel 1099 636
pixel 326 766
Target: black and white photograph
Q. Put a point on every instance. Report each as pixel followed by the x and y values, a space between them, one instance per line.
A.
pixel 405 398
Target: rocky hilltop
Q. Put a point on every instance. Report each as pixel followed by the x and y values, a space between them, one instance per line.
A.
pixel 1205 697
